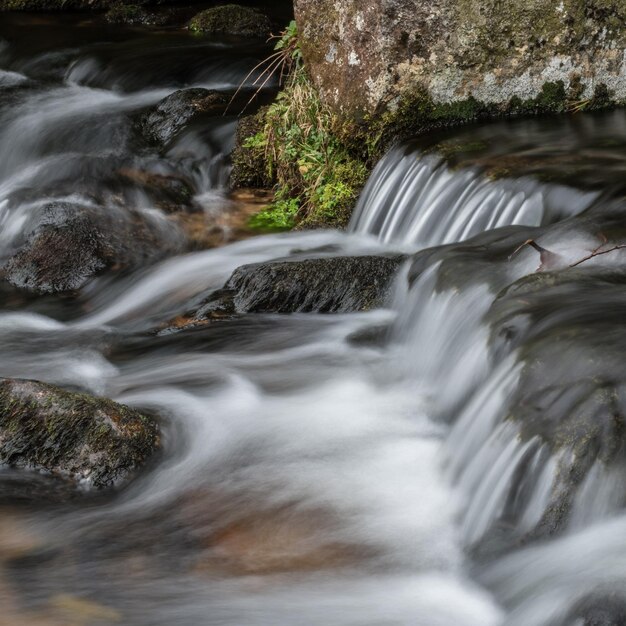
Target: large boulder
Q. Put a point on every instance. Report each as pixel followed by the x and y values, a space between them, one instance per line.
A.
pixel 231 20
pixel 88 441
pixel 520 54
pixel 323 285
pixel 70 244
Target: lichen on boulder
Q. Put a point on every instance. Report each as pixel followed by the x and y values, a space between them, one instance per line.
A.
pixel 231 20
pixel 364 58
pixel 92 442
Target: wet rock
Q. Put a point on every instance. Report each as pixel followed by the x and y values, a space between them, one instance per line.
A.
pixel 89 441
pixel 325 285
pixel 231 20
pixel 599 609
pixel 576 413
pixel 162 123
pixel 70 244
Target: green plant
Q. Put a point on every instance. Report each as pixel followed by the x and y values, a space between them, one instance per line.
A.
pixel 278 216
pixel 306 157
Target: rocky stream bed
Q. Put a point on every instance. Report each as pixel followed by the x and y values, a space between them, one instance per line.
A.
pixel 417 420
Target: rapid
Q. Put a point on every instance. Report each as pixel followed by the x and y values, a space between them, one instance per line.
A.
pixel 454 458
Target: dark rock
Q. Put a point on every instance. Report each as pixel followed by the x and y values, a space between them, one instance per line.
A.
pixel 599 609
pixel 577 413
pixel 232 20
pixel 70 244
pixel 173 113
pixel 326 285
pixel 87 440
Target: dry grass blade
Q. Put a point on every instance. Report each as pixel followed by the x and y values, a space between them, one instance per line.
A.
pixel 282 61
pixel 258 66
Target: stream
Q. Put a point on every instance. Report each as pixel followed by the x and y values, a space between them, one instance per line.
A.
pixel 377 468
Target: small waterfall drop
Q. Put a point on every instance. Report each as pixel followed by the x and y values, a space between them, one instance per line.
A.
pixel 418 200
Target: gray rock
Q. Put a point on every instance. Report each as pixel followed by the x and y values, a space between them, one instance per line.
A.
pixel 85 440
pixel 71 244
pixel 364 57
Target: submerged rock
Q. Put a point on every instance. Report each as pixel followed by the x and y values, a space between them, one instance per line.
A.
pixel 70 244
pixel 231 19
pixel 325 285
pixel 90 441
pixel 169 192
pixel 170 115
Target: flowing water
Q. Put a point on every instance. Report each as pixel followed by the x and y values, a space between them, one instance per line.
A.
pixel 432 477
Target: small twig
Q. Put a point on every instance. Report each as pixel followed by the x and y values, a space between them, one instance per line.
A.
pixel 598 252
pixel 529 242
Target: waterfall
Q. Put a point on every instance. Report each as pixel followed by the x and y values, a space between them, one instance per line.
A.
pixel 453 458
pixel 417 200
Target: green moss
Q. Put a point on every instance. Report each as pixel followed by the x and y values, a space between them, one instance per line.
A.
pixel 248 157
pixel 128 14
pixel 279 216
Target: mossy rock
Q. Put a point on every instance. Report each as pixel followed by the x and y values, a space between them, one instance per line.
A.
pixel 248 157
pixel 88 441
pixel 133 15
pixel 231 19
pixel 52 5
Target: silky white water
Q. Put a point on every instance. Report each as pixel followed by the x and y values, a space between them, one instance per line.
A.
pixel 310 475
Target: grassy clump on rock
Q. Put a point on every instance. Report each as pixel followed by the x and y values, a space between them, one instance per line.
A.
pixel 318 176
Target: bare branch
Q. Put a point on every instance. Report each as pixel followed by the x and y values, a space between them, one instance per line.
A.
pixel 598 252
